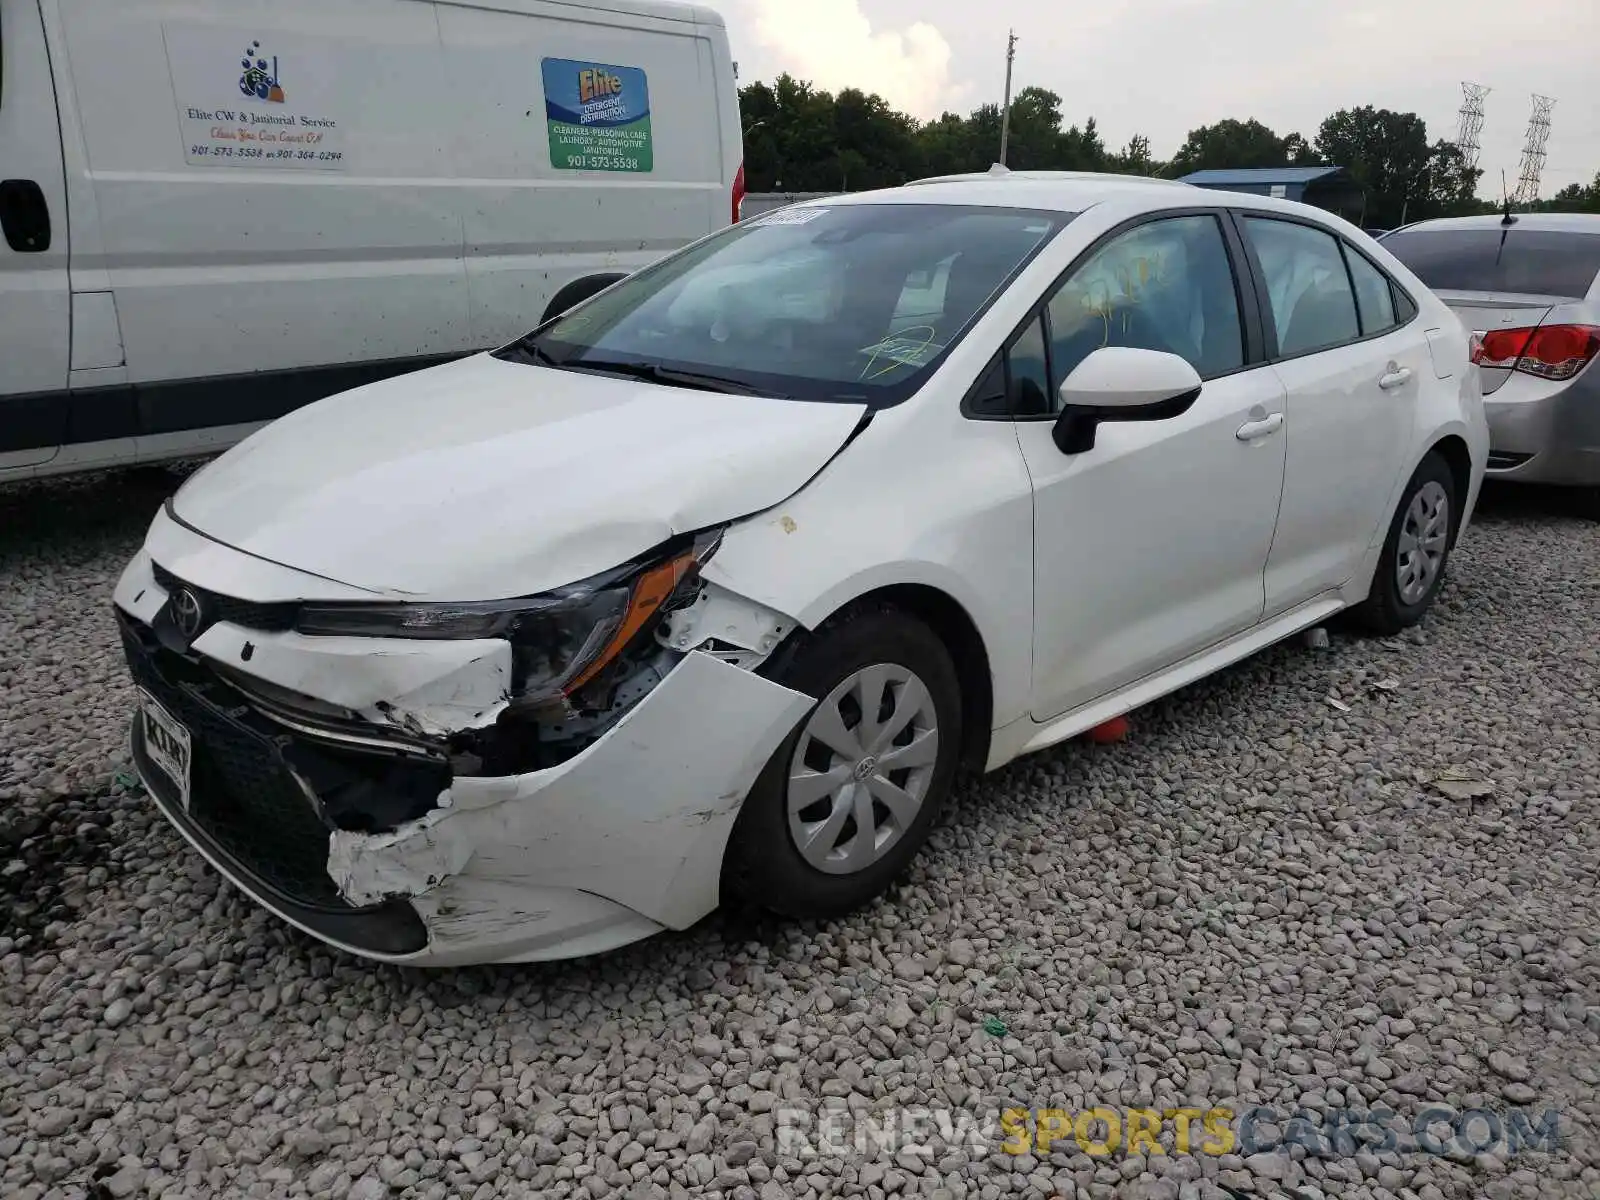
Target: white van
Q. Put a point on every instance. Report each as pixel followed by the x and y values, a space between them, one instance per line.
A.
pixel 214 214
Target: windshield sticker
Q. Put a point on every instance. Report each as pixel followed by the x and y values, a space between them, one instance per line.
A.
pixel 598 116
pixel 912 347
pixel 793 216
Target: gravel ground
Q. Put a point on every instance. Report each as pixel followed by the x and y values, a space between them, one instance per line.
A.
pixel 1262 898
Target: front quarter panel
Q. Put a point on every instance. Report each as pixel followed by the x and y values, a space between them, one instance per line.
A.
pixel 921 497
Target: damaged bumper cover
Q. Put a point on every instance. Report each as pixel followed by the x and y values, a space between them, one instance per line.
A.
pixel 620 840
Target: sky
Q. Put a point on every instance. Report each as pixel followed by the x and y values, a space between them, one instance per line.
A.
pixel 1163 67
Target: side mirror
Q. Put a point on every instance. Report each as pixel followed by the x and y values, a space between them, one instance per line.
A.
pixel 1120 383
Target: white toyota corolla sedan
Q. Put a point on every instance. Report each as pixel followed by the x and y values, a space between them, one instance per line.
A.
pixel 709 587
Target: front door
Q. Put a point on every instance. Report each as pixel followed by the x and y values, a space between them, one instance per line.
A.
pixel 1152 545
pixel 35 299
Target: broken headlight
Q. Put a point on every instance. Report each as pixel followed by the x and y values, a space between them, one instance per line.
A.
pixel 560 640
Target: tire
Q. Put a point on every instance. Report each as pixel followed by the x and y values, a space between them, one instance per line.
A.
pixel 1588 504
pixel 880 649
pixel 576 292
pixel 1395 601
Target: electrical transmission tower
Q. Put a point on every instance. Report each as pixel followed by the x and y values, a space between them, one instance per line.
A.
pixel 1471 127
pixel 1533 151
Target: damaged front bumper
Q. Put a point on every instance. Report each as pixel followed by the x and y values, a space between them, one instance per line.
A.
pixel 620 840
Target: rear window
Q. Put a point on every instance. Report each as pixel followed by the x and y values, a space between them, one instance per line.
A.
pixel 1537 262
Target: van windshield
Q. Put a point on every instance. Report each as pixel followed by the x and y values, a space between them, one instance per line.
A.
pixel 851 302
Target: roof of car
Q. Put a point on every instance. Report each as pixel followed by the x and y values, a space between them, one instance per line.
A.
pixel 1059 191
pixel 999 172
pixel 1553 222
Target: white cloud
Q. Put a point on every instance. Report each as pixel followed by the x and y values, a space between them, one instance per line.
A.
pixel 833 44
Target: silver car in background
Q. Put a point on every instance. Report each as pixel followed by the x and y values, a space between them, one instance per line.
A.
pixel 1529 287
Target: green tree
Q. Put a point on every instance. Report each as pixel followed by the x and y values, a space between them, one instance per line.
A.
pixel 1578 197
pixel 1081 149
pixel 1233 144
pixel 1448 188
pixel 1387 153
pixel 875 146
pixel 790 140
pixel 1135 158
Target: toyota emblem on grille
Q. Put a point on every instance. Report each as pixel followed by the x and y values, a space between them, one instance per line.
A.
pixel 187 614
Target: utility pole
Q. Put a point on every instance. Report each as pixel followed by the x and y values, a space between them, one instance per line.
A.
pixel 1005 113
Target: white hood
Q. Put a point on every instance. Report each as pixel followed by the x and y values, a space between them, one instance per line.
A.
pixel 484 479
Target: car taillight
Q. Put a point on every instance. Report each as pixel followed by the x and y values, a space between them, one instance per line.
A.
pixel 738 194
pixel 1549 351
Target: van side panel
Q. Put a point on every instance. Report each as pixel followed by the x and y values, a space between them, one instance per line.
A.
pixel 225 268
pixel 272 203
pixel 533 223
pixel 35 303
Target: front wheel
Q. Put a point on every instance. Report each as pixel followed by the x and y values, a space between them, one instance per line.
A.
pixel 1412 566
pixel 846 802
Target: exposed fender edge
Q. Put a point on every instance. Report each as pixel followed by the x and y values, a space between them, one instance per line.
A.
pixel 745 631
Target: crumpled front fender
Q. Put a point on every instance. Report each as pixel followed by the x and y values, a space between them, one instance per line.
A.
pixel 641 817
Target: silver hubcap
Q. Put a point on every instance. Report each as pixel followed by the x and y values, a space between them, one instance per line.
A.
pixel 861 769
pixel 1423 536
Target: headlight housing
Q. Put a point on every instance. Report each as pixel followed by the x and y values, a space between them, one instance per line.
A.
pixel 560 640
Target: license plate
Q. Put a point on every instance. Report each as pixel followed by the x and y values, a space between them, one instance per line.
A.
pixel 166 741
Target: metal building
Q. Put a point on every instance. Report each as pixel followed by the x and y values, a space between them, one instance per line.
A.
pixel 1329 188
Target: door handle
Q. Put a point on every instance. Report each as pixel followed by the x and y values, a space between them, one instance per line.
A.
pixel 24 216
pixel 1251 430
pixel 1394 377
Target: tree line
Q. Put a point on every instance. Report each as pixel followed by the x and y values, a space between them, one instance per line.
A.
pixel 799 138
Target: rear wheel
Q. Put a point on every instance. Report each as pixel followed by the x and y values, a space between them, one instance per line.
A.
pixel 576 292
pixel 846 802
pixel 1412 566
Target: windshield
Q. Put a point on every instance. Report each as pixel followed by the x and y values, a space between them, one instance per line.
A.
pixel 855 302
pixel 1533 262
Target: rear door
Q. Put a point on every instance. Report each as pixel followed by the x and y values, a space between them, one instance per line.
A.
pixel 1352 356
pixel 35 301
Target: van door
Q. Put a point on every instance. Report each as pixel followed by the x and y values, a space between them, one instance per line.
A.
pixel 35 303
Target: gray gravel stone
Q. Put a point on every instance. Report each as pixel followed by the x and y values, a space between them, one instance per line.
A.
pixel 1258 899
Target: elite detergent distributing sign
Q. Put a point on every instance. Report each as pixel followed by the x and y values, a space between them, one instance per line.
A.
pixel 598 115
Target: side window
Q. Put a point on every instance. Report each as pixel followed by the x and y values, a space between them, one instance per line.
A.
pixel 1313 307
pixel 1029 373
pixel 988 395
pixel 1404 306
pixel 1016 383
pixel 1374 300
pixel 1164 285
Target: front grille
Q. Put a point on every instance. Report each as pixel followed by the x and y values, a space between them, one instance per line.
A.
pixel 1504 460
pixel 249 614
pixel 242 794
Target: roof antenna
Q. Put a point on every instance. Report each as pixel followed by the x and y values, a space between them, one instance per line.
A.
pixel 1507 218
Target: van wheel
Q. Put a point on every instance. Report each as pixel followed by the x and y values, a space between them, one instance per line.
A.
pixel 1589 502
pixel 843 806
pixel 1415 554
pixel 576 292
